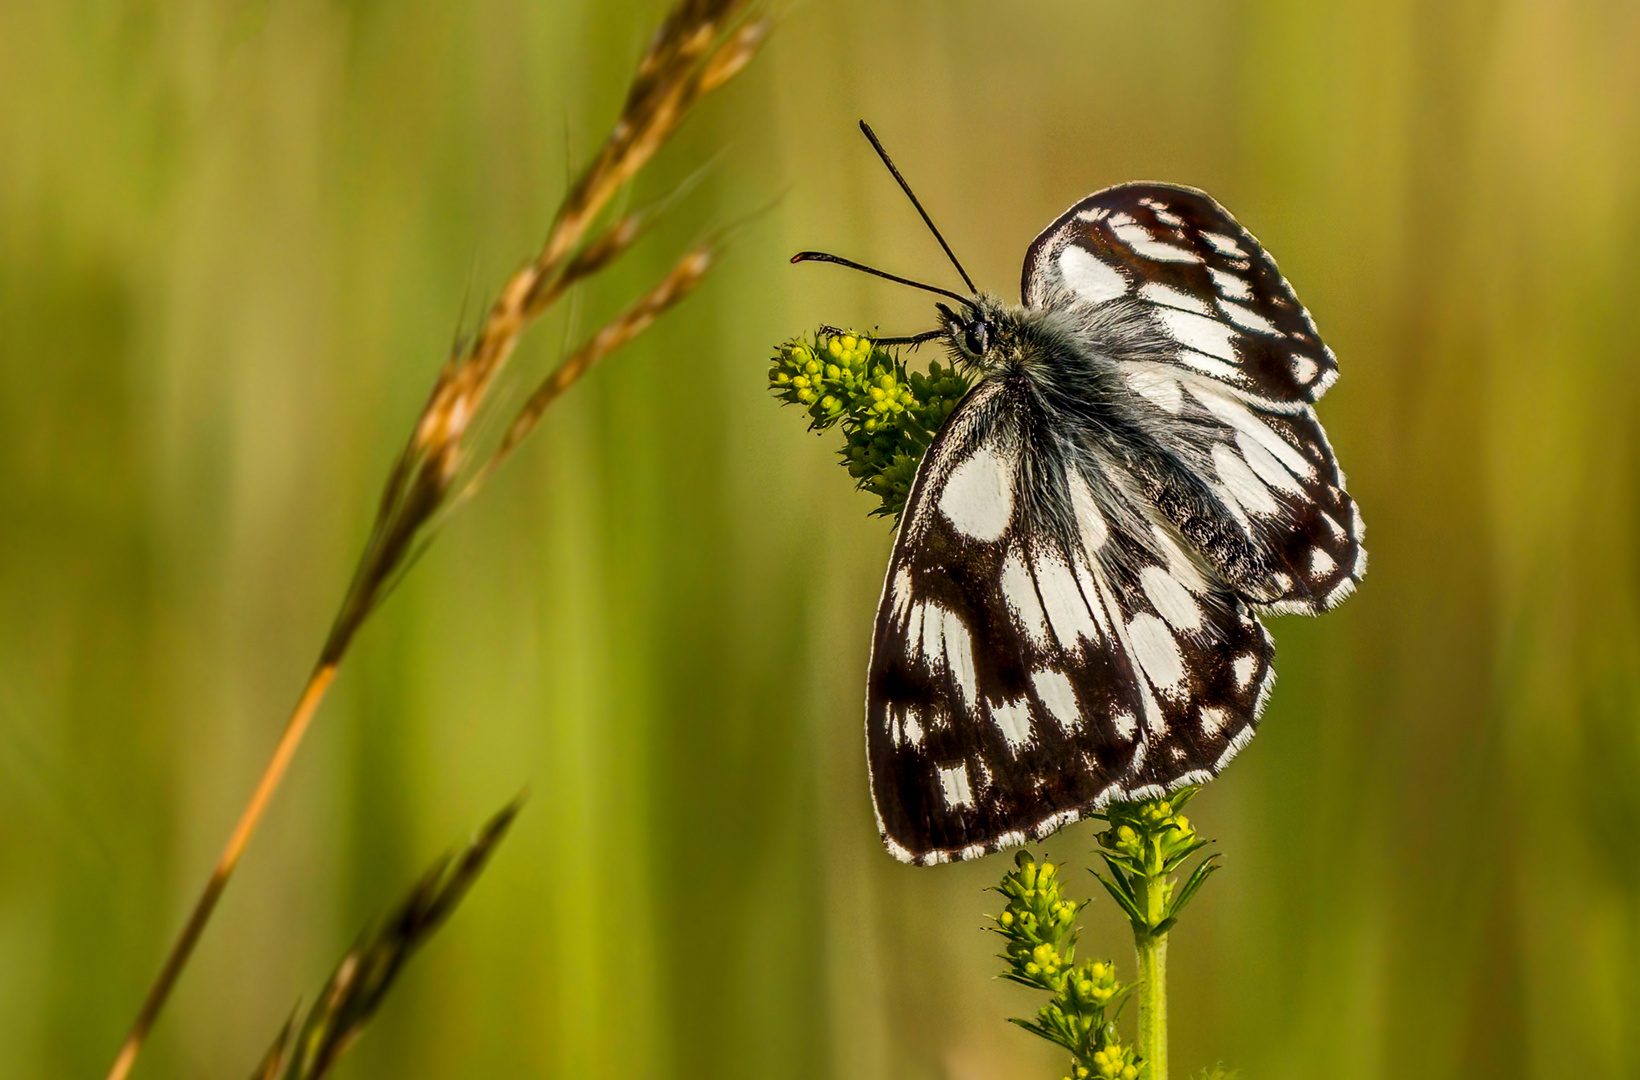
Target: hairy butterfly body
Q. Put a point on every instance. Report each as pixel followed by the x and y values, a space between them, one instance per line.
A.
pixel 1071 611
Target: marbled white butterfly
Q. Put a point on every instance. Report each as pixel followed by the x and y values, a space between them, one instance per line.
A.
pixel 1071 611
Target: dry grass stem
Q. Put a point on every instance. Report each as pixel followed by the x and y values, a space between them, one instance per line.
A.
pixel 701 45
pixel 361 981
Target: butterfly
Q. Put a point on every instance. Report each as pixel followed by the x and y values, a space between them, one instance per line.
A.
pixel 1072 611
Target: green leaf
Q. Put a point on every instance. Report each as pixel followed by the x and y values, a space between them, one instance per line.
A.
pixel 1124 871
pixel 1178 859
pixel 1181 798
pixel 1192 884
pixel 1130 906
pixel 1041 1032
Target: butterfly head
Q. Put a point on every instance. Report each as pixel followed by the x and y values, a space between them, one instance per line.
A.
pixel 983 335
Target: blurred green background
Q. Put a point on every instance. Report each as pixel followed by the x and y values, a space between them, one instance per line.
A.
pixel 238 236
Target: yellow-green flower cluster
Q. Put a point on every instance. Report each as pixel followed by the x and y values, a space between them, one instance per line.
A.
pixel 888 415
pixel 1146 843
pixel 1039 926
pixel 1111 1063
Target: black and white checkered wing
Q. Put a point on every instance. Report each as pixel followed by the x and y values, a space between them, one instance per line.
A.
pixel 1238 364
pixel 1045 642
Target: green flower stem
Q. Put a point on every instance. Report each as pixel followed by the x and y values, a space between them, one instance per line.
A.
pixel 1152 953
pixel 1146 844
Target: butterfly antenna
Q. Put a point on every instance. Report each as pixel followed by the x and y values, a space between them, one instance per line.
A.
pixel 821 256
pixel 905 187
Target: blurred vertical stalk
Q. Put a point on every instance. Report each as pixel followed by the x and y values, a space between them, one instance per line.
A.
pixel 700 45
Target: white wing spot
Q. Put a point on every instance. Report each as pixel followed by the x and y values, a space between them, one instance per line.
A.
pixel 1239 417
pixel 1223 244
pixel 932 619
pixel 1013 719
pixel 1092 523
pixel 1019 590
pixel 1162 391
pixel 1154 720
pixel 959 656
pixel 912 728
pixel 1157 652
pixel 899 592
pixel 1090 277
pixel 1199 332
pixel 1169 217
pixel 1167 296
pixel 1321 564
pixel 1242 483
pixel 1068 612
pixel 1247 318
pixel 1178 563
pixel 1171 599
pixel 1125 724
pixel 1230 286
pixel 954 785
pixel 1304 368
pixel 979 495
pixel 1055 692
pixel 1119 219
pixel 1144 245
pixel 1214 719
pixel 1245 667
pixel 1267 467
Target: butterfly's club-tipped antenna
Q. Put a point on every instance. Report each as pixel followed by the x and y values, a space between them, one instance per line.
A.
pixel 821 256
pixel 905 187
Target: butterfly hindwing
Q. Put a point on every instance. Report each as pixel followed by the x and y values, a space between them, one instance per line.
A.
pixel 1045 643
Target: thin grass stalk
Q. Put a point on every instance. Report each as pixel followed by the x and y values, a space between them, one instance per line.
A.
pixel 701 45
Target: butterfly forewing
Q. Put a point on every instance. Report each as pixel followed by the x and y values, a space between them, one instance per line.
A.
pixel 1044 643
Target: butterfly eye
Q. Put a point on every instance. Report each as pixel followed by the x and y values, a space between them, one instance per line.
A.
pixel 976 336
